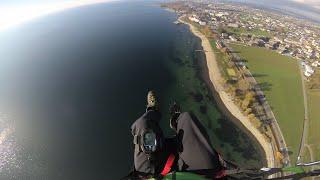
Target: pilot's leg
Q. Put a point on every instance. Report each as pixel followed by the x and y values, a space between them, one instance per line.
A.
pixel 195 150
pixel 147 138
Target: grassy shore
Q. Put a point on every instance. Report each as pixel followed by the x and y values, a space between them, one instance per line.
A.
pixel 280 80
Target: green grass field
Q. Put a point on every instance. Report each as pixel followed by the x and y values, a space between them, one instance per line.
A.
pixel 280 79
pixel 314 117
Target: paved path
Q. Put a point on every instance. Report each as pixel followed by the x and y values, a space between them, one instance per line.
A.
pixel 305 133
pixel 311 158
pixel 304 138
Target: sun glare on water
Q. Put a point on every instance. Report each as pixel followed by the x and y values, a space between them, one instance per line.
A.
pixel 12 15
pixel 8 146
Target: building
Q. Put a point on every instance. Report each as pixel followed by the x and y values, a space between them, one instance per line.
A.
pixel 202 23
pixel 194 19
pixel 308 71
pixel 316 64
pixel 224 36
pixel 233 25
pixel 232 38
pixel 220 44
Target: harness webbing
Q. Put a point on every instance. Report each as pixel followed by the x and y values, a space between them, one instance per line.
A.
pixel 168 165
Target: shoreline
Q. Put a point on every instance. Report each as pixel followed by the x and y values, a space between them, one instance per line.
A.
pixel 225 102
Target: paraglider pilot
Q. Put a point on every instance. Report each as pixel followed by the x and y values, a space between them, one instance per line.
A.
pixel 190 150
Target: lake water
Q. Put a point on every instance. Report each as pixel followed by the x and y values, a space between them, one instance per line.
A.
pixel 72 83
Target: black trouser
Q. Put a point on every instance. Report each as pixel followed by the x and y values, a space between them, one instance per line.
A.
pixel 191 146
pixel 195 150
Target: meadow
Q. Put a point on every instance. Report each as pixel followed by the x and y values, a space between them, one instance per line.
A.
pixel 279 77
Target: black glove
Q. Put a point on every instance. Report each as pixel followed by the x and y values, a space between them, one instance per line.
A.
pixel 174 111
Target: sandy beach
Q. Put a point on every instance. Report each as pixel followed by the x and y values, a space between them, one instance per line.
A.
pixel 216 80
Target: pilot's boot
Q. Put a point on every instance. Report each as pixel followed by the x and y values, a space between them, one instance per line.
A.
pixel 152 102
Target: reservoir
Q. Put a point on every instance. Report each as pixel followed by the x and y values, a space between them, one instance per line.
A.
pixel 72 83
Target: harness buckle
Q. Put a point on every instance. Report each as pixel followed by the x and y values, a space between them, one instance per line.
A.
pixel 136 139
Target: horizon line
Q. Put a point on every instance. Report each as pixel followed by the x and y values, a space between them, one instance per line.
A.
pixel 11 16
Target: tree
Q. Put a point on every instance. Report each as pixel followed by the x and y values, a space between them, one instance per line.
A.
pixel 243 84
pixel 247 111
pixel 207 32
pixel 247 100
pixel 251 117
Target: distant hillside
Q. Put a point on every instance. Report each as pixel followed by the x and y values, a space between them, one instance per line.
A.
pixel 313 3
pixel 308 9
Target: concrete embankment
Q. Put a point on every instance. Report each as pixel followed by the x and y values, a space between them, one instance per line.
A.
pixel 225 101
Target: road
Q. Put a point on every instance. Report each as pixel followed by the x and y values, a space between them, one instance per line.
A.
pixel 306 123
pixel 306 117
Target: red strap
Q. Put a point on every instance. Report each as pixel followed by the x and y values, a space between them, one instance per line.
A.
pixel 168 165
pixel 220 174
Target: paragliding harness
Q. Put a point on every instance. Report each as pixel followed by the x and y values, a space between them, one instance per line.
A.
pixel 292 172
pixel 148 143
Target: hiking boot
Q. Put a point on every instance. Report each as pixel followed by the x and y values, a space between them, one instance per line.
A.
pixel 175 113
pixel 152 102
